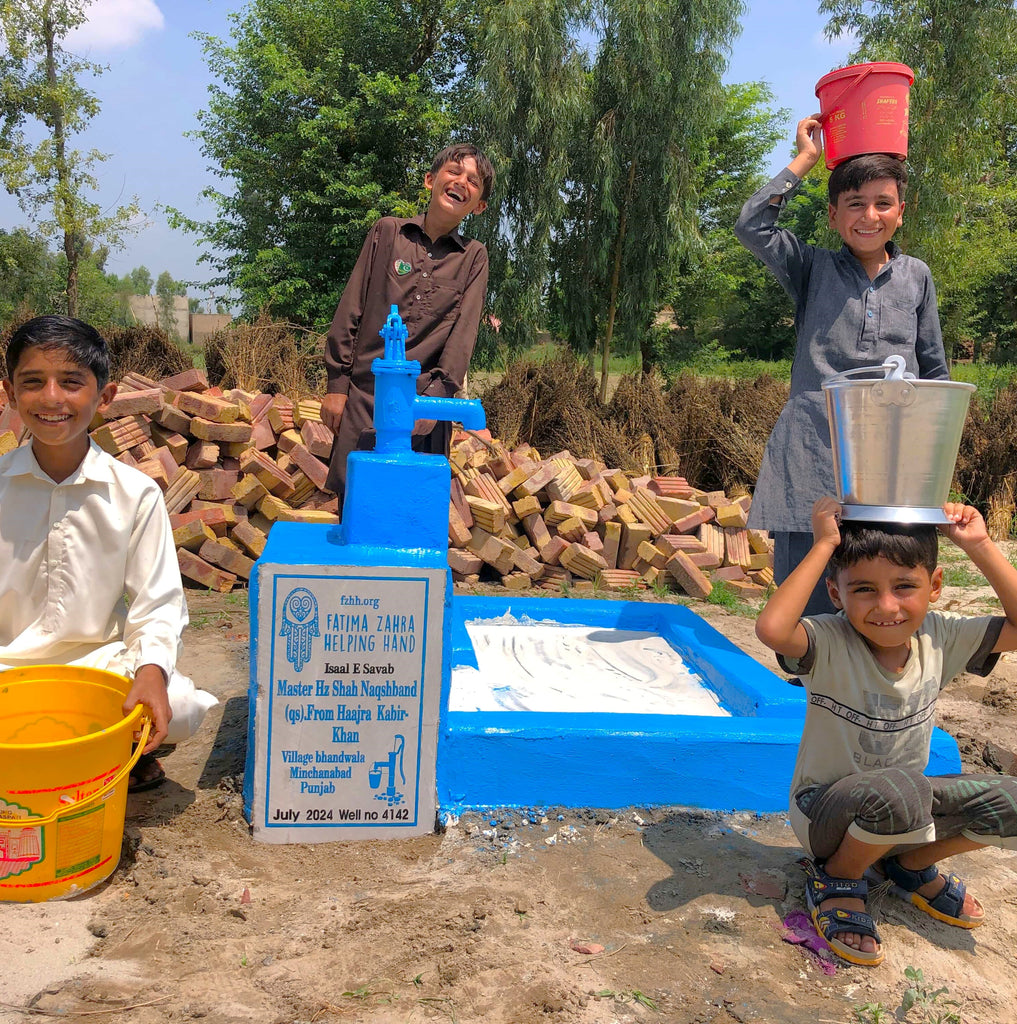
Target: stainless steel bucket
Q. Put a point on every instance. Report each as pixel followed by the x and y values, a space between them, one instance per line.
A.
pixel 895 441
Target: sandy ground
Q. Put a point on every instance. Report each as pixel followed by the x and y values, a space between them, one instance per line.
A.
pixel 682 909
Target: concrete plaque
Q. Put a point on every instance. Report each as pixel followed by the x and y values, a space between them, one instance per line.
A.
pixel 349 665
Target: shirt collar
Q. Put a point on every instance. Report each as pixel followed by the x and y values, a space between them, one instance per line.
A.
pixel 456 238
pixel 893 250
pixel 94 467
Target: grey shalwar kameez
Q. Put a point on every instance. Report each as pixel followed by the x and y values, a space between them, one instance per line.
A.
pixel 842 321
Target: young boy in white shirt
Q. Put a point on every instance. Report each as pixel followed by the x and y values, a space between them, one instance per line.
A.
pixel 88 569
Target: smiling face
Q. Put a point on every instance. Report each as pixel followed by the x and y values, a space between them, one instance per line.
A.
pixel 867 217
pixel 456 191
pixel 885 603
pixel 56 399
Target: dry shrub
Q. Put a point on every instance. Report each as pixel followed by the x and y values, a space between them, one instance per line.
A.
pixel 711 431
pixel 145 350
pixel 987 460
pixel 721 427
pixel 267 356
pixel 646 426
pixel 552 405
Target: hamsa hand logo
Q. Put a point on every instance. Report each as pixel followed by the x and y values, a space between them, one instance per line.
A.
pixel 299 625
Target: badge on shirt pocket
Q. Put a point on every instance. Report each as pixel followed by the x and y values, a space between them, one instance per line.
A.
pixel 402 268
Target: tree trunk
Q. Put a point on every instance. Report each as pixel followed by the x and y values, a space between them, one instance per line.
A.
pixel 63 202
pixel 615 275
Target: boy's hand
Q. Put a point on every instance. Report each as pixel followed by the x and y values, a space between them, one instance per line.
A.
pixel 809 137
pixel 149 688
pixel 966 527
pixel 809 140
pixel 332 409
pixel 826 522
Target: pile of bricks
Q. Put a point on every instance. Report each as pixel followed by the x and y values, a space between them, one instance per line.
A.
pixel 229 464
pixel 531 521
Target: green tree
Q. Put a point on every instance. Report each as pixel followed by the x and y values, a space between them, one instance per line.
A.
pixel 527 101
pixel 166 291
pixel 139 281
pixel 722 293
pixel 653 98
pixel 52 181
pixel 323 118
pixel 27 272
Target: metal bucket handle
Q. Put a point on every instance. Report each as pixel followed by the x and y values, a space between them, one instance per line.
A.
pixel 894 389
pixel 37 821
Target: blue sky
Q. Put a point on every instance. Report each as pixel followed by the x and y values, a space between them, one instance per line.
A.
pixel 157 82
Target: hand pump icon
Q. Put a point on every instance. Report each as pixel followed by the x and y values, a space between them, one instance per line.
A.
pixel 390 795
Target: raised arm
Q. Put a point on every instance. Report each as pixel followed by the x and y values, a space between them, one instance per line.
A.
pixel 788 258
pixel 779 625
pixel 967 530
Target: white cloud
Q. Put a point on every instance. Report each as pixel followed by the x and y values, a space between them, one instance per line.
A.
pixel 113 24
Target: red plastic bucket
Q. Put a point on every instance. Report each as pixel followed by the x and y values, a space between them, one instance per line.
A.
pixel 864 110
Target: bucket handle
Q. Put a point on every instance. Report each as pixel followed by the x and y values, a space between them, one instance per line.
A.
pixel 892 367
pixel 854 83
pixel 38 822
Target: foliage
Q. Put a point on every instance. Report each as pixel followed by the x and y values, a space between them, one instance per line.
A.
pixel 935 1009
pixel 166 290
pixel 26 273
pixel 138 281
pixel 525 103
pixel 653 95
pixel 724 294
pixel 322 121
pixel 51 181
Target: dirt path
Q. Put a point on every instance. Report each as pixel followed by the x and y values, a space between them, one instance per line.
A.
pixel 480 923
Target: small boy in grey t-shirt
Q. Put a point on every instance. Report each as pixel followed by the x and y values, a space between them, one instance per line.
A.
pixel 873 673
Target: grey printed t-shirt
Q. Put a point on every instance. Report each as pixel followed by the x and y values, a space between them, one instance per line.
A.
pixel 861 717
pixel 842 321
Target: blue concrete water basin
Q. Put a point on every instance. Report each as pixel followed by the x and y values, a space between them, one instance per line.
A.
pixel 741 759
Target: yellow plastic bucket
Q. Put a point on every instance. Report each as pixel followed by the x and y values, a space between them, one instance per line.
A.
pixel 66 751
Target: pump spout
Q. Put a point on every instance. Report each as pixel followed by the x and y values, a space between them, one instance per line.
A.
pixel 469 413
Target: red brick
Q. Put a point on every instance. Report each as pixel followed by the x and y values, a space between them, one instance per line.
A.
pixel 685 573
pixel 197 569
pixel 190 380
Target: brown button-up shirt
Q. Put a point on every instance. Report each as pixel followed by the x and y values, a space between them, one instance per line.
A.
pixel 439 287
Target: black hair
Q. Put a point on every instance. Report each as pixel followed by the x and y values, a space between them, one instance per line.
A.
pixel 83 344
pixel 903 544
pixel 459 151
pixel 850 175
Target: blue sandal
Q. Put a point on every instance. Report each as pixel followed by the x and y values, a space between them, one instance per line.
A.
pixel 820 886
pixel 947 905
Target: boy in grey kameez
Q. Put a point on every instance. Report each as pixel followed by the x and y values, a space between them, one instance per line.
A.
pixel 853 308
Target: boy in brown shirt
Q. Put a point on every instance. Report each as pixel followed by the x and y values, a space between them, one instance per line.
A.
pixel 438 279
